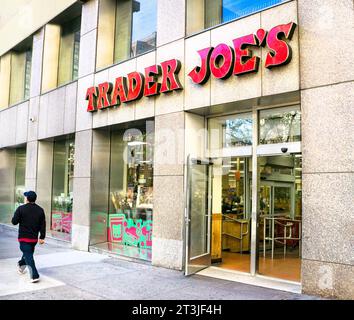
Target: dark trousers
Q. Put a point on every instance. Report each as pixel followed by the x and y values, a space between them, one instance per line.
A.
pixel 27 258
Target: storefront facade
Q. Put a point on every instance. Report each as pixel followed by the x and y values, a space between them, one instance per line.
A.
pixel 195 135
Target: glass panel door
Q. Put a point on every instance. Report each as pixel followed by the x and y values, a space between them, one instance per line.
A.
pixel 198 220
pixel 280 216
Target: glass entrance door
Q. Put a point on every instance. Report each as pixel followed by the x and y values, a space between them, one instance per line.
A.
pixel 279 216
pixel 198 218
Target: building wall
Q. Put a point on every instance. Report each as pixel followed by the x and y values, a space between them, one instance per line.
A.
pixel 26 17
pixel 327 99
pixel 326 102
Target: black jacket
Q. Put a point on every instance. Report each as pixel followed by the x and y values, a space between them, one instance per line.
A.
pixel 31 218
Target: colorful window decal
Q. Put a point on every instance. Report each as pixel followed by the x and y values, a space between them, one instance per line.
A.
pixel 131 232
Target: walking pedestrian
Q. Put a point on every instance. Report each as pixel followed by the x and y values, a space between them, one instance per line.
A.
pixel 31 220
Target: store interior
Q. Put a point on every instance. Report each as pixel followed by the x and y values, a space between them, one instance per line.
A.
pixel 279 240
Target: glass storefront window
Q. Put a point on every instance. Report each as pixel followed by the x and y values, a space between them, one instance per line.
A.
pixel 12 182
pixel 62 192
pixel 130 220
pixel 202 14
pixel 20 171
pixel 69 51
pixel 135 28
pixel 230 131
pixel 280 125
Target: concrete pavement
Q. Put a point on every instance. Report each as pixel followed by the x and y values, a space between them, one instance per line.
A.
pixel 68 274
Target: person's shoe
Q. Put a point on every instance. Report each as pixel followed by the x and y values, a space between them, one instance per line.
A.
pixel 21 269
pixel 34 280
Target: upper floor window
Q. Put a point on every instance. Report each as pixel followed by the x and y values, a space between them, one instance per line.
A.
pixel 61 49
pixel 15 74
pixel 203 14
pixel 69 51
pixel 126 29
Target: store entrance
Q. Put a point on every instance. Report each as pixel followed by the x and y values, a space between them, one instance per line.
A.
pixel 231 213
pixel 219 216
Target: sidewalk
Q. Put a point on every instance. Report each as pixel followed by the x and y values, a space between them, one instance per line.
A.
pixel 70 274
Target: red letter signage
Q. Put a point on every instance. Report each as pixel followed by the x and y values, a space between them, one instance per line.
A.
pixel 280 53
pixel 201 74
pixel 220 61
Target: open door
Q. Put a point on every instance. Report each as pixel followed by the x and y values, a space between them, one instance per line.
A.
pixel 198 215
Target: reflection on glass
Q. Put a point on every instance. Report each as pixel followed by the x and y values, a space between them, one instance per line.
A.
pixel 231 196
pixel 220 11
pixel 20 171
pixel 62 194
pixel 280 216
pixel 135 28
pixel 130 219
pixel 199 210
pixel 69 51
pixel 230 131
pixel 280 125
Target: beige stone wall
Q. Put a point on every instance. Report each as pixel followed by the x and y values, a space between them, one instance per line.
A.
pixel 327 99
pixel 21 18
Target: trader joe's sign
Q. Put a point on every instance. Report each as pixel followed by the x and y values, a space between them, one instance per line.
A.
pixel 221 62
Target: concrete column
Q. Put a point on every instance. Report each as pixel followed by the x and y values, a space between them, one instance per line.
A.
pixel 170 20
pixel 327 98
pixel 44 159
pixel 82 190
pixel 167 245
pixel 36 69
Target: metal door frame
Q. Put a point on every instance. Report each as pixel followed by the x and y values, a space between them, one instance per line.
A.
pixel 206 257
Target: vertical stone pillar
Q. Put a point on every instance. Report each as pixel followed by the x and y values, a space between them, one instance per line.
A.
pixel 170 13
pixel 327 99
pixel 44 160
pixel 167 245
pixel 82 190
pixel 83 137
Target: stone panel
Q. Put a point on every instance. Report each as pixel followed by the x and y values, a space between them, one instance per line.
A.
pixel 8 126
pixel 124 112
pixel 36 68
pixel 167 253
pixel 172 101
pixel 326 39
pixel 328 220
pixel 236 87
pixel 170 20
pixel 33 113
pixel 169 144
pixel 70 107
pixel 196 95
pixel 284 78
pixel 31 159
pixel 327 128
pixel 168 207
pixel 328 279
pixel 22 122
pixel 81 205
pixel 89 16
pixel 42 116
pixel 83 150
pixel 80 236
pixel 100 118
pixel 145 107
pixel 83 118
pixel 55 112
pixel 87 53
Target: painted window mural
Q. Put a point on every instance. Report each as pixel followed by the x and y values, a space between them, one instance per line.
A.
pixel 130 220
pixel 62 195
